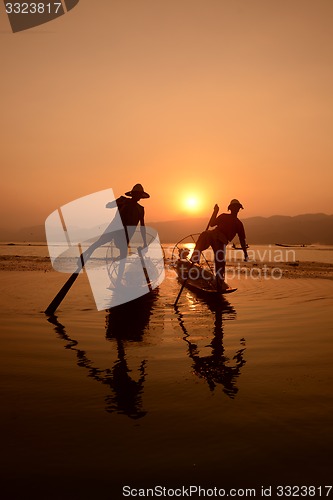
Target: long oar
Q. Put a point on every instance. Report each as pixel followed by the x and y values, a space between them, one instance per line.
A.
pixel 53 306
pixel 216 209
pixel 145 269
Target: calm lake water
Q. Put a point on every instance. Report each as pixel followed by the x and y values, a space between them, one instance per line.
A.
pixel 312 253
pixel 234 394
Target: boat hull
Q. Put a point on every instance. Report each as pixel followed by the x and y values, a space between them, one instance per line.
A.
pixel 199 279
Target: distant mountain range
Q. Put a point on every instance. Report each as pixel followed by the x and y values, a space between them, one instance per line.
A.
pixel 296 230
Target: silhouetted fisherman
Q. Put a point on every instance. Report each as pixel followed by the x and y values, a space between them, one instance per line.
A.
pixel 227 226
pixel 131 214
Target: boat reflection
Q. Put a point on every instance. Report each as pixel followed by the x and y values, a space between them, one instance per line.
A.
pixel 124 324
pixel 216 368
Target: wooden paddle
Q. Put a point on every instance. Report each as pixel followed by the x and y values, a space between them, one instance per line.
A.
pixel 215 211
pixel 53 306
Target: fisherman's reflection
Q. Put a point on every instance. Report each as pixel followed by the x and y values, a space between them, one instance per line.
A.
pixel 124 324
pixel 216 368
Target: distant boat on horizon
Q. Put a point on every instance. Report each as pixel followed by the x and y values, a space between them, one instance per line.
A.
pixel 291 246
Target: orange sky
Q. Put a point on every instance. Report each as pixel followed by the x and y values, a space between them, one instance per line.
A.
pixel 220 99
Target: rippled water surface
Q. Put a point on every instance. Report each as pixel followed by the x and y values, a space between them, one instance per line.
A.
pixel 235 393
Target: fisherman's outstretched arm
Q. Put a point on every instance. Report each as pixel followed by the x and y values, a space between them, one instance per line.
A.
pixel 242 241
pixel 244 245
pixel 212 221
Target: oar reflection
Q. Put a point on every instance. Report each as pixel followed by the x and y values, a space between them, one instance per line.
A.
pixel 216 368
pixel 124 324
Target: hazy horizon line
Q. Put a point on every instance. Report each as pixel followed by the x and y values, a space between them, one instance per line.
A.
pixel 3 228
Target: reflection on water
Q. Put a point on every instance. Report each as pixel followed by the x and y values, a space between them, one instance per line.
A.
pixel 125 328
pixel 130 321
pixel 125 323
pixel 215 368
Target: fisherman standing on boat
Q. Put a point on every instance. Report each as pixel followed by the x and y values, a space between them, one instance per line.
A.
pixel 131 214
pixel 227 226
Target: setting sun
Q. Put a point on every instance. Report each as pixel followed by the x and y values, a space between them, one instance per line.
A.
pixel 192 203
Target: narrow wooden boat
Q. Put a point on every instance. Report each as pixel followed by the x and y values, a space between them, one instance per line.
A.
pixel 198 278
